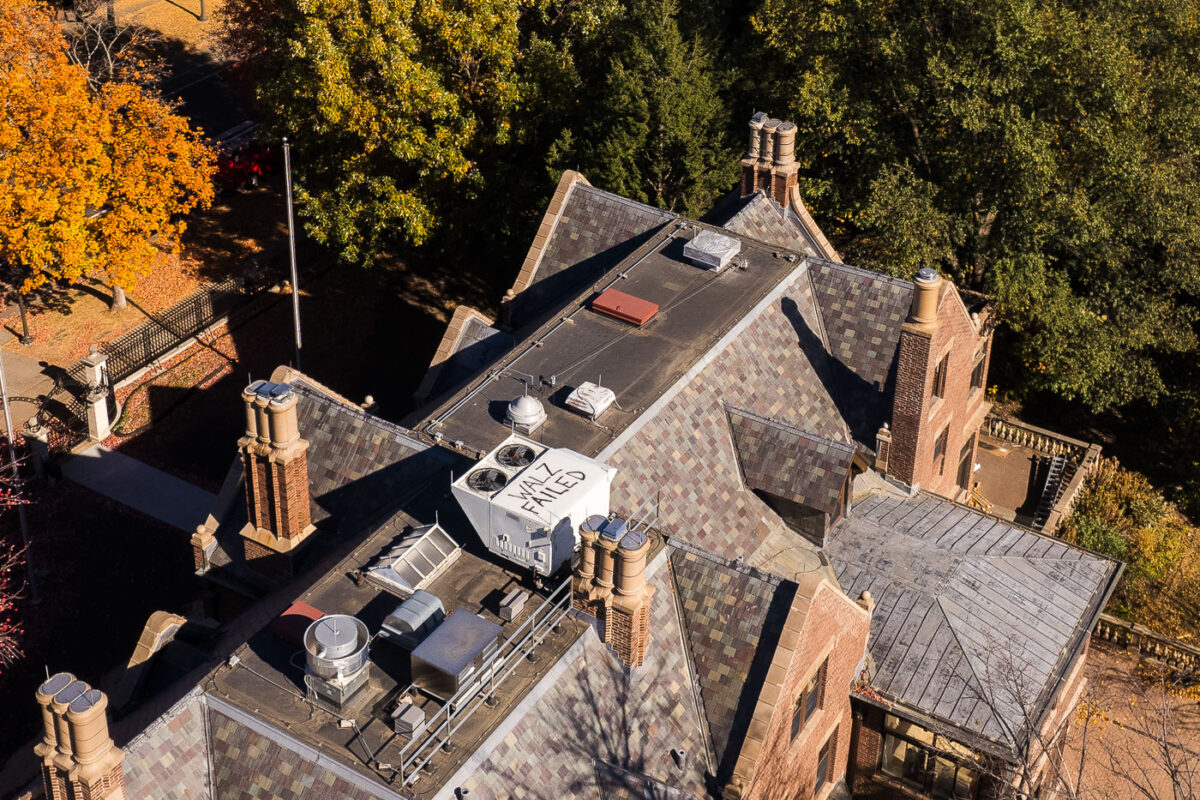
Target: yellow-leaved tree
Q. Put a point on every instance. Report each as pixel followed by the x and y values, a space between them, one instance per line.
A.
pixel 90 182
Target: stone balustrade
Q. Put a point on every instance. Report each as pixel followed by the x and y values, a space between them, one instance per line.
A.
pixel 1180 657
pixel 1036 439
pixel 1081 458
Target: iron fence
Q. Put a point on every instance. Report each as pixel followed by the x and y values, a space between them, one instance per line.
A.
pixel 166 330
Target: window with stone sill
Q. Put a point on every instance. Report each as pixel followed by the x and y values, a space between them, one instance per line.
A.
pixel 939 376
pixel 939 450
pixel 810 701
pixel 979 373
pixel 827 752
pixel 926 763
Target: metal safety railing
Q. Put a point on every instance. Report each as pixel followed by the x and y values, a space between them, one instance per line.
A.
pixel 441 727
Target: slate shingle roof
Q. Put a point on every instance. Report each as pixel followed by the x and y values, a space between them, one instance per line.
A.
pixel 775 367
pixel 595 231
pixel 359 465
pixel 790 463
pixel 194 752
pixel 478 345
pixel 862 313
pixel 732 617
pixel 614 783
pixel 760 218
pixel 597 711
pixel 169 759
pixel 248 766
pixel 965 604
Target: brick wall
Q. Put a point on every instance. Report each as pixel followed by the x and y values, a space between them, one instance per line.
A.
pixel 292 512
pixel 109 786
pixel 867 748
pixel 835 629
pixel 255 483
pixel 267 562
pixel 629 634
pixel 918 418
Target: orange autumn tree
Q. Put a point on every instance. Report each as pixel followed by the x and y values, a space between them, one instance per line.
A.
pixel 90 183
pixel 157 171
pixel 50 156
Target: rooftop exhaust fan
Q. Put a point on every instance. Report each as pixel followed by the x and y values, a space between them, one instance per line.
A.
pixel 487 480
pixel 515 455
pixel 711 250
pixel 335 651
pixel 526 413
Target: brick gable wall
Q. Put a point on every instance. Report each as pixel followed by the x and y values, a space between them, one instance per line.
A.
pixel 918 418
pixel 835 628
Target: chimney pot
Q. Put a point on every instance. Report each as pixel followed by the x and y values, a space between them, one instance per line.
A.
pixel 756 125
pixel 284 427
pixel 262 420
pixel 785 144
pixel 766 151
pixel 45 698
pixel 926 296
pixel 97 771
pixel 589 532
pixel 631 553
pixel 248 396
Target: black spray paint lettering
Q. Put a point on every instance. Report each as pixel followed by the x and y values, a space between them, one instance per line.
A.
pixel 546 486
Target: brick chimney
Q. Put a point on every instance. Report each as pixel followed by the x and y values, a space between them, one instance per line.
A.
pixel 79 760
pixel 770 161
pixel 276 466
pixel 770 165
pixel 609 583
pixel 916 379
pixel 629 616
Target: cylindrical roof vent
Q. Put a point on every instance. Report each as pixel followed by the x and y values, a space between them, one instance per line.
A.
pixel 335 646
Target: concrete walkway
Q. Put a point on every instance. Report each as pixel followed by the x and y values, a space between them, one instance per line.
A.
pixel 26 379
pixel 141 487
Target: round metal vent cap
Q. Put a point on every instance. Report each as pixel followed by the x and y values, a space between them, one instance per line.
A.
pixel 526 410
pixel 335 635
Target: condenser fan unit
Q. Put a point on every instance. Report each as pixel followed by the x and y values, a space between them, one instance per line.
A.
pixel 516 455
pixel 487 480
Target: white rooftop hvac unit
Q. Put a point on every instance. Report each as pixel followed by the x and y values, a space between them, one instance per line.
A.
pixel 591 399
pixel 526 501
pixel 711 250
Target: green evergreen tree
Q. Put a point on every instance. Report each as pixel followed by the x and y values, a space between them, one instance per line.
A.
pixel 651 125
pixel 1043 152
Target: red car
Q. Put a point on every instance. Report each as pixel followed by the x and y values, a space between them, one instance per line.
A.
pixel 242 160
